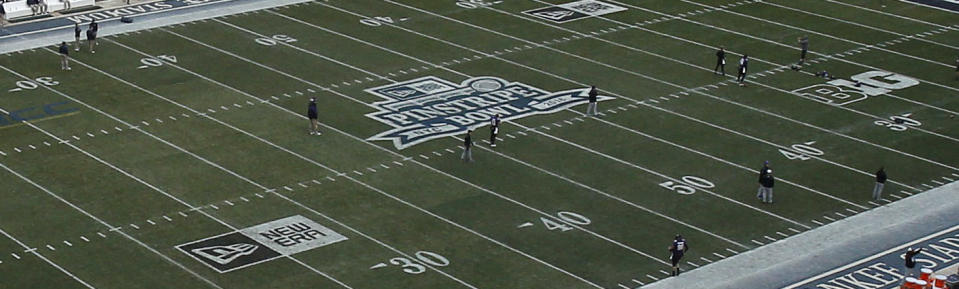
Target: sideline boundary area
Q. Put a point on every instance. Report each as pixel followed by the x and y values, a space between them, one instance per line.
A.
pixel 32 40
pixel 793 260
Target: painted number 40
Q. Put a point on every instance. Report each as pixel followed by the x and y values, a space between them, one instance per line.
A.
pixel 156 61
pixel 801 151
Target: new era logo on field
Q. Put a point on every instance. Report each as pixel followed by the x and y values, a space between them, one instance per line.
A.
pixel 575 10
pixel 260 243
pixel 228 252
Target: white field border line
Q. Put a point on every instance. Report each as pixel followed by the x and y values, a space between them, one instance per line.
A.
pixel 346 176
pixel 699 92
pixel 774 88
pixel 893 15
pixel 865 259
pixel 929 6
pixel 516 160
pixel 34 252
pixel 832 37
pixel 667 83
pixel 115 19
pixel 527 164
pixel 110 227
pixel 151 186
pixel 860 25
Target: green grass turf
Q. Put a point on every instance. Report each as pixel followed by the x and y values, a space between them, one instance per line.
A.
pixel 222 124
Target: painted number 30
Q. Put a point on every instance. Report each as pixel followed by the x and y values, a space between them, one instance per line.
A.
pixel 424 257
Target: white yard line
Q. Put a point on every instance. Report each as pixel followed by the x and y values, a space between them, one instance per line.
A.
pixel 893 15
pixel 835 38
pixel 514 159
pixel 110 227
pixel 860 25
pixel 44 258
pixel 657 80
pixel 331 169
pixel 131 176
pixel 764 85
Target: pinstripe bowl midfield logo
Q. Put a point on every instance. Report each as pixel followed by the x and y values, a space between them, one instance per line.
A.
pixel 429 107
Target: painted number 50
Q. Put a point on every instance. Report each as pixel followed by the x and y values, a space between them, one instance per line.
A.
pixel 688 185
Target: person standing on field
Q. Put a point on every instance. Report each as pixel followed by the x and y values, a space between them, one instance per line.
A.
pixel 467 147
pixel 804 45
pixel 311 113
pixel 493 130
pixel 591 109
pixel 91 39
pixel 720 61
pixel 76 35
pixel 766 183
pixel 957 67
pixel 762 174
pixel 743 64
pixel 880 183
pixel 64 56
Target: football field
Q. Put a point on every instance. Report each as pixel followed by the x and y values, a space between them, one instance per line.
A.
pixel 179 156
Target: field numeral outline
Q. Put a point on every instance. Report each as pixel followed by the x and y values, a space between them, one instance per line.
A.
pixel 377 21
pixel 416 266
pixel 569 217
pixel 688 185
pixel 802 151
pixel 34 84
pixel 472 4
pixel 156 61
pixel 899 122
pixel 274 40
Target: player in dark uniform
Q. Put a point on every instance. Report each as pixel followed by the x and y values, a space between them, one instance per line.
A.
pixel 91 39
pixel 591 109
pixel 804 45
pixel 76 35
pixel 64 56
pixel 311 113
pixel 743 64
pixel 493 130
pixel 467 147
pixel 96 29
pixel 762 174
pixel 957 67
pixel 720 61
pixel 676 252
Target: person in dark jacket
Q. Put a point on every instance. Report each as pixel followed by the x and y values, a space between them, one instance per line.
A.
pixel 493 130
pixel 762 174
pixel 591 108
pixel 910 268
pixel 76 35
pixel 880 183
pixel 64 56
pixel 804 45
pixel 676 252
pixel 311 113
pixel 720 61
pixel 743 65
pixel 91 39
pixel 766 182
pixel 467 147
